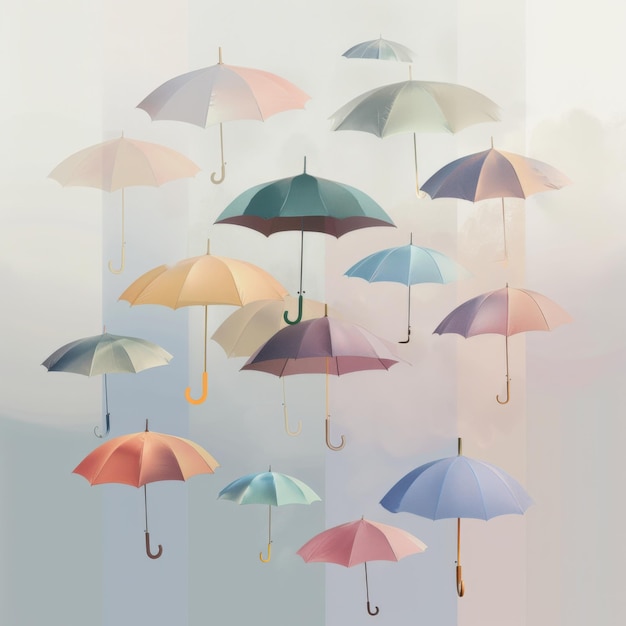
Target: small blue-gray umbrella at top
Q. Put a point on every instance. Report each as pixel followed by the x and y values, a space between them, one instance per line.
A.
pixel 269 488
pixel 381 50
pixel 304 203
pixel 458 487
pixel 408 265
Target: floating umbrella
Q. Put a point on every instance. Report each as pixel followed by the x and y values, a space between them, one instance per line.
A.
pixel 505 312
pixel 408 265
pixel 325 345
pixel 359 542
pixel 269 488
pixel 142 458
pixel 247 328
pixel 304 203
pixel 121 163
pixel 457 486
pixel 106 354
pixel 494 174
pixel 222 93
pixel 381 49
pixel 415 106
pixel 204 280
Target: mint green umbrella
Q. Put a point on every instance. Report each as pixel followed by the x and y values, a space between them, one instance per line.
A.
pixel 304 203
pixel 269 488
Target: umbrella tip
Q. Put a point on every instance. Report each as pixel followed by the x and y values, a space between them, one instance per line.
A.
pixel 492 141
pixel 219 54
pixel 460 445
pixel 146 424
pixel 305 164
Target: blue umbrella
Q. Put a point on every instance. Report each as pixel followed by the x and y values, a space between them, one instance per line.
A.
pixel 269 488
pixel 408 265
pixel 380 49
pixel 457 487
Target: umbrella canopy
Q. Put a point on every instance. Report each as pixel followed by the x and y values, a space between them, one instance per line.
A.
pixel 269 488
pixel 145 457
pixel 304 203
pixel 415 106
pixel 358 542
pixel 408 265
pixel 323 345
pixel 457 487
pixel 494 174
pixel 106 354
pixel 204 280
pixel 506 311
pixel 222 93
pixel 120 163
pixel 381 49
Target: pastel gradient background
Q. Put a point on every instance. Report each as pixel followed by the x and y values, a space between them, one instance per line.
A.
pixel 73 73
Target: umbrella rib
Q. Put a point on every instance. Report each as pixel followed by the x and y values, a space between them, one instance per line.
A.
pixel 441 490
pixel 481 492
pixel 538 307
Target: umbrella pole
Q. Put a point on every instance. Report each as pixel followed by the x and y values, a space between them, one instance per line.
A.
pixel 214 179
pixel 205 375
pixel 328 442
pixel 367 594
pixel 408 328
pixel 107 421
pixel 301 292
pixel 506 254
pixel 460 585
pixel 120 269
pixel 508 379
pixel 291 433
pixel 148 550
pixel 269 540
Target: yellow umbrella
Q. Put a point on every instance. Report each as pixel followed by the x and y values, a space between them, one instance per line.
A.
pixel 204 280
pixel 121 163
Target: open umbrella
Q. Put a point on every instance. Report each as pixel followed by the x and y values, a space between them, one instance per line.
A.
pixel 247 328
pixel 415 106
pixel 359 542
pixel 204 280
pixel 145 457
pixel 121 163
pixel 269 488
pixel 505 312
pixel 408 265
pixel 381 49
pixel 324 345
pixel 221 93
pixel 106 354
pixel 457 486
pixel 304 203
pixel 493 174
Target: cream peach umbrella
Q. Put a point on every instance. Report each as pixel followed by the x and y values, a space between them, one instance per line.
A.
pixel 120 163
pixel 204 280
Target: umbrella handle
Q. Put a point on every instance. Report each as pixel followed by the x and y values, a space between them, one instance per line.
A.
pixel 291 433
pixel 460 585
pixel 120 269
pixel 269 553
pixel 372 612
pixel 299 318
pixel 205 391
pixel 107 427
pixel 408 336
pixel 508 392
pixel 214 179
pixel 328 442
pixel 149 551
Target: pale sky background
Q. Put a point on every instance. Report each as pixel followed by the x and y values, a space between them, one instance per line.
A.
pixel 73 554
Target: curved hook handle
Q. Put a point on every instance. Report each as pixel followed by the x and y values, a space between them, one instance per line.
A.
pixel 205 391
pixel 328 442
pixel 107 427
pixel 299 318
pixel 460 585
pixel 369 610
pixel 508 393
pixel 149 551
pixel 291 433
pixel 214 179
pixel 269 553
pixel 408 336
pixel 120 269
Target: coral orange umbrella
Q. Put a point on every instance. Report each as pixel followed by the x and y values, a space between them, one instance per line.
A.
pixel 145 457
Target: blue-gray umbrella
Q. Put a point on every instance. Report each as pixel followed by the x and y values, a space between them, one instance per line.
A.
pixel 380 49
pixel 458 487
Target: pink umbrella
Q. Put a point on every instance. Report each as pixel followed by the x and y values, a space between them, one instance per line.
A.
pixel 358 542
pixel 324 345
pixel 505 312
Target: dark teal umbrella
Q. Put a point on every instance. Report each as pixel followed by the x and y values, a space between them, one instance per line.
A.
pixel 304 202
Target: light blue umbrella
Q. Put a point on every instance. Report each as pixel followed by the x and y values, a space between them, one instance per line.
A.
pixel 269 488
pixel 457 487
pixel 380 49
pixel 408 265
